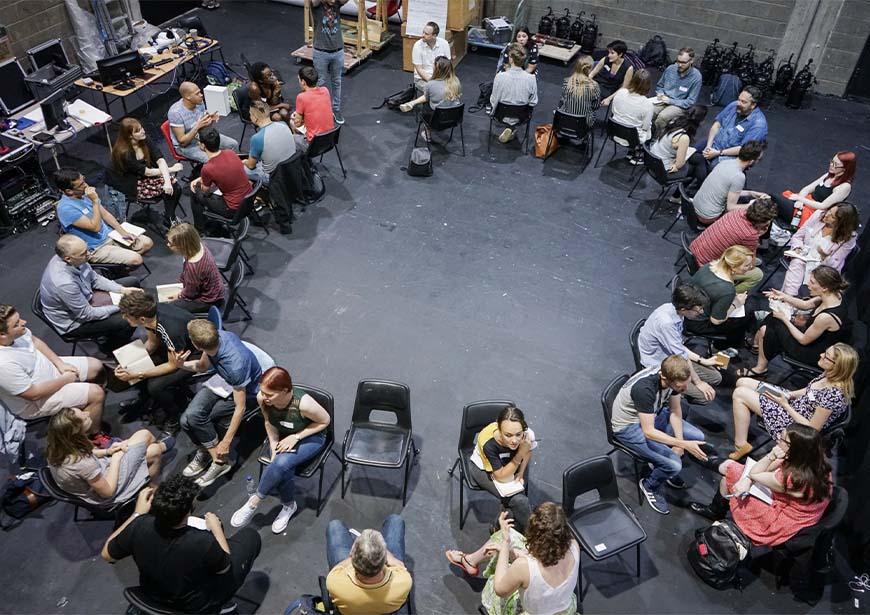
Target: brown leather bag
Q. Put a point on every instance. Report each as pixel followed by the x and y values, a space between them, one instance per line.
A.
pixel 544 136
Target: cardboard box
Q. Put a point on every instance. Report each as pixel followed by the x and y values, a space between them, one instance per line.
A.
pixel 458 46
pixel 461 13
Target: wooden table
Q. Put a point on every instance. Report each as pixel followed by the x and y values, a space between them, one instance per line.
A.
pixel 154 74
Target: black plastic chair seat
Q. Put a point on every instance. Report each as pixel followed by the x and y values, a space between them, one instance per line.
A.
pixel 385 446
pixel 136 597
pixel 605 528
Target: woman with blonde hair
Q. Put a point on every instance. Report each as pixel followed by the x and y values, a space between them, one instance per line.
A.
pixel 580 93
pixel 443 90
pixel 139 169
pixel 721 282
pixel 202 284
pixel 818 405
pixel 100 475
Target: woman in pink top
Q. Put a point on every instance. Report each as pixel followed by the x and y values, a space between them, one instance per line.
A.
pixel 202 284
pixel 797 474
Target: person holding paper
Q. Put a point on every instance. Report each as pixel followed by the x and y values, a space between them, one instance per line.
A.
pixel 202 285
pixel 831 188
pixel 820 404
pixel 828 323
pixel 183 568
pixel 647 418
pixel 80 214
pixel 76 299
pixel 677 89
pixel 237 365
pixel 725 314
pixel 35 382
pixel 502 452
pixel 795 476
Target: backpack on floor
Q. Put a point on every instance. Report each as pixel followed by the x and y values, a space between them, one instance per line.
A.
pixel 655 52
pixel 716 553
pixel 420 163
pixel 394 101
pixel 23 494
pixel 483 98
pixel 727 90
pixel 634 60
pixel 217 73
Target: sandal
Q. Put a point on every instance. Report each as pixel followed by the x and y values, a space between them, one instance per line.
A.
pixel 749 372
pixel 461 562
pixel 740 453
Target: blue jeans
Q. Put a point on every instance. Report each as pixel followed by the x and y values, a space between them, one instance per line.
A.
pixel 193 151
pixel 339 540
pixel 666 463
pixel 279 474
pixel 330 63
pixel 205 413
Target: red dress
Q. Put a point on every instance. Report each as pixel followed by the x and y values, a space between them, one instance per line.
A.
pixel 772 525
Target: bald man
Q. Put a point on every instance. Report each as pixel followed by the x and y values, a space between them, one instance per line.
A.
pixel 186 117
pixel 76 299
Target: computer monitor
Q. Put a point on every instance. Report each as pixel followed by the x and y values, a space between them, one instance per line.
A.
pixel 54 111
pixel 120 67
pixel 48 52
pixel 14 93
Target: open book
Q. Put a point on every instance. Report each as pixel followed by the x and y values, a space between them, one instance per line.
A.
pixel 218 386
pixel 131 229
pixel 798 253
pixel 134 358
pixel 508 489
pixel 782 306
pixel 759 491
pixel 165 291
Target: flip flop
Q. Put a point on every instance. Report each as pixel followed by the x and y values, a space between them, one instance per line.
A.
pixel 749 372
pixel 461 562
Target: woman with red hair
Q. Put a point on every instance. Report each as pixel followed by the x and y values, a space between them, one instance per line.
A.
pixel 295 425
pixel 831 188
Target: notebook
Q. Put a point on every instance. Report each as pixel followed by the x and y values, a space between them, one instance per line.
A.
pixel 134 358
pixel 165 291
pixel 131 229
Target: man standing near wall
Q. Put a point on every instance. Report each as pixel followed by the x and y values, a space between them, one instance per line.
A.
pixel 677 90
pixel 328 55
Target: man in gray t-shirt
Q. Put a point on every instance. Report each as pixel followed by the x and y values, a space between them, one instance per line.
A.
pixel 328 56
pixel 724 186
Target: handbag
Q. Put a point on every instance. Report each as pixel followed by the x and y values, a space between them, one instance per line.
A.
pixel 545 141
pixel 420 163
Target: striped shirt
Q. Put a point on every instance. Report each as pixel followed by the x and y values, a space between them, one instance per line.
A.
pixel 732 229
pixel 583 103
pixel 201 280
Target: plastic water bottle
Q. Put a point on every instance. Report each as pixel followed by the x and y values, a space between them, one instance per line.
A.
pixel 250 485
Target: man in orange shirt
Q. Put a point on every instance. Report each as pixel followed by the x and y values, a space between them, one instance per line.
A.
pixel 313 113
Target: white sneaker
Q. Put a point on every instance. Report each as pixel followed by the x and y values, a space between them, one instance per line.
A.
pixel 214 472
pixel 283 518
pixel 243 515
pixel 199 463
pixel 506 135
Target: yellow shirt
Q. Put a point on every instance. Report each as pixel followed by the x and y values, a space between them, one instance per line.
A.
pixel 352 597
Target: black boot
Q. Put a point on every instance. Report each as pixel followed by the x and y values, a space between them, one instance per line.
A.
pixel 715 511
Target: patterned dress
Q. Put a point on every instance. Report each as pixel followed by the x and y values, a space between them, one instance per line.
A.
pixel 776 419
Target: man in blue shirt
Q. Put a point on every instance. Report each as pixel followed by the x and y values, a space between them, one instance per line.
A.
pixel 226 396
pixel 738 123
pixel 677 90
pixel 80 213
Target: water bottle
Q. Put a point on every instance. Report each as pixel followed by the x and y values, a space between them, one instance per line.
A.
pixel 250 485
pixel 798 212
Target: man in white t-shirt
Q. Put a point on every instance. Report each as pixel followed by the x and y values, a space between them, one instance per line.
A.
pixel 424 52
pixel 35 382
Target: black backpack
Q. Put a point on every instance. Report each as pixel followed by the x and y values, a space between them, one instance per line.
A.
pixel 716 553
pixel 655 53
pixel 23 494
pixel 393 101
pixel 483 97
pixel 420 162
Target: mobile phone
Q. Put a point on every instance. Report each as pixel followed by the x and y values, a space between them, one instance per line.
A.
pixel 736 495
pixel 763 388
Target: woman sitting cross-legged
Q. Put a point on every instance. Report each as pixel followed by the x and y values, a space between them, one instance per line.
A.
pixel 826 238
pixel 631 107
pixel 797 473
pixel 674 148
pixel 831 188
pixel 800 336
pixel 533 574
pixel 202 284
pixel 97 475
pixel 294 424
pixel 821 403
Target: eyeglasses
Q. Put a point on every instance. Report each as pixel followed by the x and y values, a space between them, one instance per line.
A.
pixel 684 61
pixel 836 164
pixel 827 358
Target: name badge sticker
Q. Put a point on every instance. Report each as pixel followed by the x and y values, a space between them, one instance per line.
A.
pixel 740 128
pixel 683 88
pixel 287 424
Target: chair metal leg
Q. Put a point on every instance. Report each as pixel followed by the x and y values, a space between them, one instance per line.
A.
pixel 74 344
pixel 600 151
pixel 453 467
pixel 462 138
pixel 244 129
pixel 340 163
pixel 659 202
pixel 770 275
pixel 417 133
pixel 637 481
pixel 319 492
pixel 407 474
pixel 489 137
pixel 580 582
pixel 673 224
pixel 630 192
pixel 343 469
pixel 461 499
pixel 637 549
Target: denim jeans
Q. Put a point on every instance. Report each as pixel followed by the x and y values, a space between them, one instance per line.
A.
pixel 330 63
pixel 204 413
pixel 193 151
pixel 666 463
pixel 278 475
pixel 339 540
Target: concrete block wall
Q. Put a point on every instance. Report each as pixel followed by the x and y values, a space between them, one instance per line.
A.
pixel 844 47
pixel 31 22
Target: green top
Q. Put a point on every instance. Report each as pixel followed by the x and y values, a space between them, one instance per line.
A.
pixel 289 420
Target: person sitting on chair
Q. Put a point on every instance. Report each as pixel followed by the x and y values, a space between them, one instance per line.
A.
pixel 662 335
pixel 367 575
pixel 442 90
pixel 830 189
pixel 80 213
pixel 799 477
pixel 265 87
pixel 202 285
pixel 523 38
pixel 723 187
pixel 613 71
pixel 677 90
pixel 223 171
pixel 630 107
pixel 424 52
pixel 581 94
pixel 238 366
pixel 313 114
pixel 76 299
pixel 139 169
pixel 648 420
pixel 187 117
pixel 736 125
pixel 182 568
pixel 673 148
pixel 502 452
pixel 295 425
pixel 35 382
pixel 167 338
pixel 101 475
pixel 513 86
pixel 273 142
